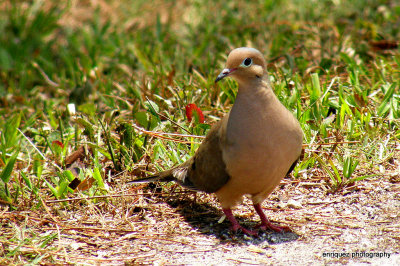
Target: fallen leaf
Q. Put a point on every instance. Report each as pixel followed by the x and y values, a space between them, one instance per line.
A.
pixel 384 45
pixel 198 113
pixel 85 184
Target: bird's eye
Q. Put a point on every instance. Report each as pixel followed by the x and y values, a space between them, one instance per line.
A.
pixel 247 62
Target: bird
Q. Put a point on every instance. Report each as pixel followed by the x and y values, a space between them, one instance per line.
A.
pixel 247 152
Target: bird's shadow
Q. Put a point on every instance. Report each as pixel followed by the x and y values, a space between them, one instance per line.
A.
pixel 204 217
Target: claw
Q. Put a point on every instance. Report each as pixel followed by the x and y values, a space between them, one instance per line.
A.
pixel 265 224
pixel 275 228
pixel 236 226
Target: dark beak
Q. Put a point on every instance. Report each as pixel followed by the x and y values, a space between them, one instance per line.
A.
pixel 224 73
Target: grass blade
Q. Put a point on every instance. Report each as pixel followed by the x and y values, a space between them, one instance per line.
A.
pixel 7 170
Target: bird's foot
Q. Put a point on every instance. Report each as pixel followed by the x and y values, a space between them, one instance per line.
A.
pixel 276 228
pixel 266 224
pixel 237 228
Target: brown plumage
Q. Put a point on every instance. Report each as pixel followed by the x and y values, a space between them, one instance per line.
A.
pixel 250 149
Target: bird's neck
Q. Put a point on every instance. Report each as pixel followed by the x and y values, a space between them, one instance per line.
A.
pixel 258 89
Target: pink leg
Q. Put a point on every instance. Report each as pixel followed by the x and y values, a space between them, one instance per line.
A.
pixel 235 225
pixel 265 223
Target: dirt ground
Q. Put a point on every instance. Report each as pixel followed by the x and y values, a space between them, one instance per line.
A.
pixel 358 225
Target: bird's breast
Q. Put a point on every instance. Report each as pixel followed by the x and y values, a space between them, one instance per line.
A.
pixel 262 138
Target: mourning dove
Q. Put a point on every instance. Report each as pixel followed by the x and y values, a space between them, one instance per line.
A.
pixel 249 150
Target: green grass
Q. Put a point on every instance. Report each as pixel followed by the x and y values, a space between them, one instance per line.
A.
pixel 130 64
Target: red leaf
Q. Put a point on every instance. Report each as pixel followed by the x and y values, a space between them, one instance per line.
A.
pixel 198 113
pixel 59 143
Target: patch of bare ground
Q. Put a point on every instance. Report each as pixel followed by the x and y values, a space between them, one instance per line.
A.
pixel 349 227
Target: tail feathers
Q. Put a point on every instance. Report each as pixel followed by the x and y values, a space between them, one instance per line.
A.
pixel 178 174
pixel 160 177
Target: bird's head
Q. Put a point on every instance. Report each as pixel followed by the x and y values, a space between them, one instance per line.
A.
pixel 244 65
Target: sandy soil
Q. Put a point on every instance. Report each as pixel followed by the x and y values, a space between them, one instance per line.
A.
pixel 358 225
